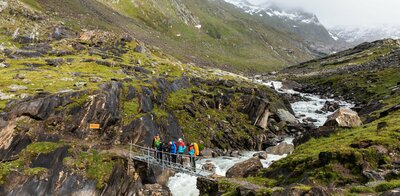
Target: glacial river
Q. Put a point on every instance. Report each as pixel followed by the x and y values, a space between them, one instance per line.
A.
pixel 185 185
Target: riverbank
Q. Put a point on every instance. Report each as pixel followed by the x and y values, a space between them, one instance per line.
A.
pixel 182 184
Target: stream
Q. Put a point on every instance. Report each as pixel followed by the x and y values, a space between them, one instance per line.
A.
pixel 185 185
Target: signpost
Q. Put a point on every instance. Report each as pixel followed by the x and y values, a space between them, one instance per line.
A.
pixel 94 126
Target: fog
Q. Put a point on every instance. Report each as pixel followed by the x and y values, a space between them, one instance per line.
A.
pixel 348 12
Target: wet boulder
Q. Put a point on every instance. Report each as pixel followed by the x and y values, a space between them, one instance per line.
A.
pixel 207 186
pixel 261 155
pixel 345 118
pixel 209 166
pixel 281 149
pixel 330 106
pixel 155 189
pixel 245 169
pixel 286 116
pixel 207 153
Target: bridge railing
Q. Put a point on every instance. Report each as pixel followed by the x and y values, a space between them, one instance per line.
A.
pixel 176 162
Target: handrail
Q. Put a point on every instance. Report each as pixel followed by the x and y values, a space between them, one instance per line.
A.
pixel 164 159
pixel 163 152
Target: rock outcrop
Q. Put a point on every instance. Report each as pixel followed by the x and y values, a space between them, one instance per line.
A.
pixel 281 149
pixel 245 169
pixel 344 118
pixel 207 186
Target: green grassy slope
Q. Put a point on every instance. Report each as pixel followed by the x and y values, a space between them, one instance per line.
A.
pixel 228 37
pixel 368 73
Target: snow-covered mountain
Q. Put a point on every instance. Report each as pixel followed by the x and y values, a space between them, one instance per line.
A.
pixel 297 22
pixel 272 10
pixel 357 35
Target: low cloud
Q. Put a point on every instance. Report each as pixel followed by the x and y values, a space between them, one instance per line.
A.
pixel 348 12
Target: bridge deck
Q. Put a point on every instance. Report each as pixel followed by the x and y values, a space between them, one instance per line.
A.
pixel 147 155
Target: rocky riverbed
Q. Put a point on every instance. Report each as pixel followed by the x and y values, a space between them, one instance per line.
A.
pixel 310 106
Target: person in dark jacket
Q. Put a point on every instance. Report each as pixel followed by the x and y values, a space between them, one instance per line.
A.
pixel 160 150
pixel 166 147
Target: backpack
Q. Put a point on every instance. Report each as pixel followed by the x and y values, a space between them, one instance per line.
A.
pixel 196 149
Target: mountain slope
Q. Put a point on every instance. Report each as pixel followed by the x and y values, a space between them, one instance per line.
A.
pixel 227 37
pixel 294 21
pixel 369 75
pixel 332 160
pixel 57 81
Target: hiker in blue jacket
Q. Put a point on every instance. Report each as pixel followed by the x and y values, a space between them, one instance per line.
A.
pixel 172 151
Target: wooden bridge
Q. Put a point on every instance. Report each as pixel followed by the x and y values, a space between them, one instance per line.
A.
pixel 164 160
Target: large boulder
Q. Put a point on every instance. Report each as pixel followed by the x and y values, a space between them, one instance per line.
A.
pixel 261 155
pixel 207 186
pixel 155 189
pixel 245 168
pixel 344 118
pixel 281 149
pixel 286 116
pixel 209 166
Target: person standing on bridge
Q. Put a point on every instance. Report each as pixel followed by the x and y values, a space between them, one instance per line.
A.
pixel 156 144
pixel 192 153
pixel 160 149
pixel 181 150
pixel 172 151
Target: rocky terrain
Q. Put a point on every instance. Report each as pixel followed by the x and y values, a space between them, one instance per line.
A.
pixel 136 72
pixel 355 152
pixel 57 82
pixel 212 33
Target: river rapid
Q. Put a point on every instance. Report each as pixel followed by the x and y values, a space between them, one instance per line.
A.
pixel 185 185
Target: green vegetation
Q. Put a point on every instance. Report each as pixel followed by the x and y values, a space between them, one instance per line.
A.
pixel 305 159
pixel 7 167
pixel 37 171
pixel 33 3
pixel 340 159
pixel 37 148
pixel 364 86
pixel 261 181
pixel 24 159
pixel 385 186
pixel 302 187
pixel 95 165
pixel 227 39
pixel 130 110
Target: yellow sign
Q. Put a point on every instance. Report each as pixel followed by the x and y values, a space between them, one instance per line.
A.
pixel 94 126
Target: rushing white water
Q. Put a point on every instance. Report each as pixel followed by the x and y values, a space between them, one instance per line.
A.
pixel 307 109
pixel 185 185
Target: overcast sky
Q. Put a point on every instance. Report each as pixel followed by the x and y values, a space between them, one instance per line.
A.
pixel 349 12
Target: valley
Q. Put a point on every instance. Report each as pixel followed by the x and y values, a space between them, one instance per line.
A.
pixel 276 104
